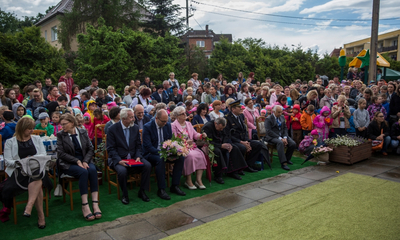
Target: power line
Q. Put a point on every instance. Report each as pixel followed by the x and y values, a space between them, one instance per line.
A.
pixel 284 16
pixel 198 23
pixel 263 20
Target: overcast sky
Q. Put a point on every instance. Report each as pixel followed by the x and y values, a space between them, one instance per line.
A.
pixel 321 35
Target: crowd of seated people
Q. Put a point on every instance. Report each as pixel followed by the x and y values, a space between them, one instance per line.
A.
pixel 142 117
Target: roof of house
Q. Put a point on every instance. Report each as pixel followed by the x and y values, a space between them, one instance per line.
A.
pixel 206 34
pixel 61 7
pixel 67 5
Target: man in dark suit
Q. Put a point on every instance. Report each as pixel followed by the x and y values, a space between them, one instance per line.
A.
pixel 240 137
pixel 175 96
pixel 277 134
pixel 140 118
pixel 158 95
pixel 155 133
pixel 123 142
pixel 228 156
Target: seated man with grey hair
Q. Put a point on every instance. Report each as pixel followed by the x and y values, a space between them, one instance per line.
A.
pixel 228 156
pixel 124 143
pixel 277 134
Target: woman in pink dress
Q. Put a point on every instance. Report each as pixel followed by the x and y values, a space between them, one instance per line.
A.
pixel 196 160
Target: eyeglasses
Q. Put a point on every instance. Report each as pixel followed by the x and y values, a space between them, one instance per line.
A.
pixel 380 116
pixel 63 124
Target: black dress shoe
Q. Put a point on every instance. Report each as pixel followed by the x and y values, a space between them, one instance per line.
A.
pixel 235 176
pixel 177 190
pixel 249 169
pixel 289 162
pixel 219 180
pixel 285 167
pixel 163 194
pixel 125 200
pixel 241 173
pixel 143 196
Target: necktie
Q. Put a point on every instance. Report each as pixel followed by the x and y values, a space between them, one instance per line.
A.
pixel 238 119
pixel 126 132
pixel 161 139
pixel 76 142
pixel 279 123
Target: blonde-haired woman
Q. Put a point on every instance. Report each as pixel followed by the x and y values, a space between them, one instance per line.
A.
pixel 263 98
pixel 111 92
pixel 37 101
pixel 23 145
pixel 310 99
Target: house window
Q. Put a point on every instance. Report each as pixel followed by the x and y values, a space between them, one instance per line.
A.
pixel 200 44
pixel 45 35
pixel 215 43
pixel 54 33
pixel 394 42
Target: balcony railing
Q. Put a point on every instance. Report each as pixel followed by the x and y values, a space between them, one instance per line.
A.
pixel 387 49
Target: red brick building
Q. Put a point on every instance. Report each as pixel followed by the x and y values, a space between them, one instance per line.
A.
pixel 205 39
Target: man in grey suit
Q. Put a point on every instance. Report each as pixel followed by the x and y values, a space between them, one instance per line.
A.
pixel 277 134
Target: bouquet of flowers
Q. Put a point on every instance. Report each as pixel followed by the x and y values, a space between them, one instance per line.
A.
pixel 347 141
pixel 174 148
pixel 321 150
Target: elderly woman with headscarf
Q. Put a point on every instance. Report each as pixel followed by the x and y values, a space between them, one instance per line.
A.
pixel 196 160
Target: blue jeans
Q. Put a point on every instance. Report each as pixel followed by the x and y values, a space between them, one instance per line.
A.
pixel 394 144
pixel 84 175
pixel 386 143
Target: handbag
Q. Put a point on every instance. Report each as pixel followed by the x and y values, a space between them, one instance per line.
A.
pixel 33 167
pixel 377 145
pixel 58 192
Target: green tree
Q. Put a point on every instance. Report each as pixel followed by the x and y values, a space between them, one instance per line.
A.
pixel 116 57
pixel 25 56
pixel 164 18
pixel 10 23
pixel 117 13
pixel 196 62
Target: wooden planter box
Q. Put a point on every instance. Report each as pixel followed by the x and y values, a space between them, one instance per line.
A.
pixel 350 155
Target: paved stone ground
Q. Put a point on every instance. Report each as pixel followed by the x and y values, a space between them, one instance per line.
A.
pixel 162 222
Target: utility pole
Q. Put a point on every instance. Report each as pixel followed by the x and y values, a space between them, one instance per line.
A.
pixel 374 41
pixel 187 13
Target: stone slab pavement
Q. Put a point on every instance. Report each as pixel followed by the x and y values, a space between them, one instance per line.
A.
pixel 162 222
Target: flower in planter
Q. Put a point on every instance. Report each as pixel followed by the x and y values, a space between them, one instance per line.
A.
pixel 345 141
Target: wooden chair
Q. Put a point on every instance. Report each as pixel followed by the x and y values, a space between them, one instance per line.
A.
pixel 198 127
pixel 110 172
pixel 45 199
pixel 96 128
pixel 262 132
pixel 260 127
pixel 66 179
pixel 39 132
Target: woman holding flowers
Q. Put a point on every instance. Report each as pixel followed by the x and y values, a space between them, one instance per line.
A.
pixel 195 161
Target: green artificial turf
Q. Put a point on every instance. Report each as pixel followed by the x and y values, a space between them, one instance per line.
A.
pixel 350 206
pixel 61 218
